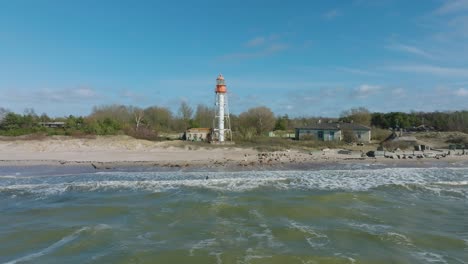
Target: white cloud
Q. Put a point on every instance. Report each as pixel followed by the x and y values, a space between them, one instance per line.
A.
pixel 331 14
pixel 83 92
pixel 458 26
pixel 452 6
pixel 461 92
pixel 452 32
pixel 133 96
pixel 255 42
pixel 331 92
pixel 398 92
pixel 260 46
pixel 55 95
pixel 432 70
pixel 411 50
pixel 366 90
pixel 276 36
pixel 276 48
pixel 264 52
pixel 357 71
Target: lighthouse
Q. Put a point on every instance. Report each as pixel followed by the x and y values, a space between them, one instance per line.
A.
pixel 221 122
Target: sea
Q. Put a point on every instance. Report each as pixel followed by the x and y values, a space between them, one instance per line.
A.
pixel 333 214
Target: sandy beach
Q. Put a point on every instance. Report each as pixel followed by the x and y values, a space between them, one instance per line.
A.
pixel 122 151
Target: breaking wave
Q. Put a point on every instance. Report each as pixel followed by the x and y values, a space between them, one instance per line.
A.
pixel 436 180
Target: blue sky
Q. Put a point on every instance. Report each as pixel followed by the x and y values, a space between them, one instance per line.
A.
pixel 304 58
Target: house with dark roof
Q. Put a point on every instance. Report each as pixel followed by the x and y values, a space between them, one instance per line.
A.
pixel 333 131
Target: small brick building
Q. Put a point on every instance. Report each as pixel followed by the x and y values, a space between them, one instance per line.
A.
pixel 198 134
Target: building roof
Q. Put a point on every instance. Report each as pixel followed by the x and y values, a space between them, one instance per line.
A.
pixel 201 129
pixel 336 126
pixel 52 123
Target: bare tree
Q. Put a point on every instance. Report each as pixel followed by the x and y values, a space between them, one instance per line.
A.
pixel 261 118
pixel 137 114
pixel 45 118
pixel 30 112
pixel 349 136
pixel 3 113
pixel 119 113
pixel 204 115
pixel 358 115
pixel 185 113
pixel 160 118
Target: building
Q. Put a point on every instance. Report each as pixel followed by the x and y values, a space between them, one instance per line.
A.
pixel 282 134
pixel 198 134
pixel 52 124
pixel 333 131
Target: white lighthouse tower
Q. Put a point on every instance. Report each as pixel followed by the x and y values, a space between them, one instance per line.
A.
pixel 221 122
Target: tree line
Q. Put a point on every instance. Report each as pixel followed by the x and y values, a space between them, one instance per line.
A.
pixel 154 121
pixel 148 123
pixel 439 121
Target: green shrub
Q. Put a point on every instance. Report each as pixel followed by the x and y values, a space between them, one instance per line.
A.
pixel 380 134
pixel 143 133
pixel 457 139
pixel 349 136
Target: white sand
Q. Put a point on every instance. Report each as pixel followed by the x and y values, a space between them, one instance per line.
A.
pixel 126 150
pixel 112 149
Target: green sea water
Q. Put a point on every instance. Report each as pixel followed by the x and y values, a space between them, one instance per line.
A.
pixel 359 215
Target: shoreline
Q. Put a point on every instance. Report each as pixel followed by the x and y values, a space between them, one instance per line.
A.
pixel 125 153
pixel 60 166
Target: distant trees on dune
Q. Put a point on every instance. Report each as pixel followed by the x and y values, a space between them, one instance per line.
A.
pixel 260 118
pixel 441 121
pixel 114 119
pixel 359 115
pixel 151 122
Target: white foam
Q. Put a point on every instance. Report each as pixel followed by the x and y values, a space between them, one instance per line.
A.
pixel 398 238
pixel 305 229
pixel 51 248
pixel 65 240
pixel 218 257
pixel 430 257
pixel 413 179
pixel 350 259
pixel 374 229
pixel 250 255
pixel 453 183
pixel 8 176
pixel 202 244
pixel 267 233
pixel 312 237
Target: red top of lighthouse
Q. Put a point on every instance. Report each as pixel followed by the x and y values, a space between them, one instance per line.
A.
pixel 220 85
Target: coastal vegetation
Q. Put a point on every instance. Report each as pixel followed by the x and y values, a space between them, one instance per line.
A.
pixel 249 127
